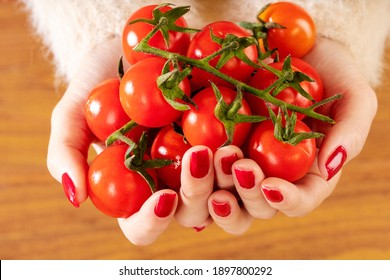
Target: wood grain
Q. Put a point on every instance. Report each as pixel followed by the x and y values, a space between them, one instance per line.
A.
pixel 37 222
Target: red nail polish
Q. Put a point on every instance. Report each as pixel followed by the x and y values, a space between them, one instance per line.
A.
pixel 335 161
pixel 165 205
pixel 227 162
pixel 199 163
pixel 199 229
pixel 222 209
pixel 245 178
pixel 272 195
pixel 69 189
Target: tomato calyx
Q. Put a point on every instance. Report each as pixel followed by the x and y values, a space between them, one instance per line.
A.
pixel 135 155
pixel 284 131
pixel 166 21
pixel 169 82
pixel 228 114
pixel 231 46
pixel 290 78
pixel 259 32
pixel 135 161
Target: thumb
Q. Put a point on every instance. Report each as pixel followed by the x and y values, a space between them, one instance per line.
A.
pixel 353 114
pixel 68 150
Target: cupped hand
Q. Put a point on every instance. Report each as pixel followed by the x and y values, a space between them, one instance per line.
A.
pixel 247 194
pixel 70 139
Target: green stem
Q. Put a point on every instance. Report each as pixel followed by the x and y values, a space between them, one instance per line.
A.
pixel 120 134
pixel 204 65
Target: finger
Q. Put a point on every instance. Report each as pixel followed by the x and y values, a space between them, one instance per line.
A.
pixel 353 114
pixel 223 161
pixel 227 213
pixel 248 178
pixel 300 198
pixel 203 225
pixel 155 215
pixel 68 150
pixel 70 137
pixel 345 140
pixel 197 182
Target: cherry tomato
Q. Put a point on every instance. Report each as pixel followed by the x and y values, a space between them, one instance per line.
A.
pixel 169 144
pixel 201 127
pixel 202 45
pixel 280 159
pixel 134 33
pixel 114 189
pixel 141 98
pixel 299 34
pixel 263 79
pixel 104 113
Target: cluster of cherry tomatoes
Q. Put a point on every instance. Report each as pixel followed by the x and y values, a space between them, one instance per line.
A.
pixel 174 125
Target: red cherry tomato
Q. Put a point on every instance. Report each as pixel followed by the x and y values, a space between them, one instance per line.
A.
pixel 169 144
pixel 104 113
pixel 202 45
pixel 114 189
pixel 263 79
pixel 201 127
pixel 280 159
pixel 134 33
pixel 141 98
pixel 299 34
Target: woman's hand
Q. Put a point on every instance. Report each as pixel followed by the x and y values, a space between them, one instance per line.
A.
pixel 70 139
pixel 262 197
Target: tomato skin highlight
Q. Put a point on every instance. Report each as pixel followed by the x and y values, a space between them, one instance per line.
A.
pixel 263 79
pixel 132 34
pixel 104 113
pixel 201 127
pixel 171 145
pixel 279 159
pixel 202 45
pixel 299 34
pixel 141 98
pixel 115 190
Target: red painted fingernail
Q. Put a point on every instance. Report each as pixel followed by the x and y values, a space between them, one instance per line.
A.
pixel 245 178
pixel 335 161
pixel 222 209
pixel 272 195
pixel 165 205
pixel 69 189
pixel 227 162
pixel 199 163
pixel 199 229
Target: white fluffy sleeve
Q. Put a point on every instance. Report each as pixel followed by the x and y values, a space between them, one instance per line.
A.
pixel 70 28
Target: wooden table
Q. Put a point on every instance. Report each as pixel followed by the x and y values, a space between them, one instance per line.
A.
pixel 37 222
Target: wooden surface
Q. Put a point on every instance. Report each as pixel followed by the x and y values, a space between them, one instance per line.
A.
pixel 37 222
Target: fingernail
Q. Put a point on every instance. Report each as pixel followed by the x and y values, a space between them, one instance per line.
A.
pixel 245 178
pixel 199 163
pixel 164 205
pixel 335 161
pixel 222 209
pixel 272 195
pixel 69 189
pixel 227 162
pixel 199 229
